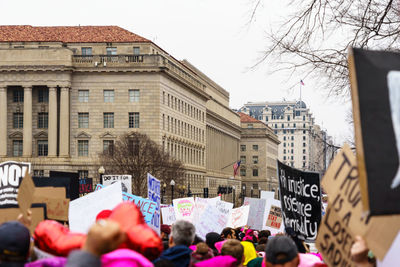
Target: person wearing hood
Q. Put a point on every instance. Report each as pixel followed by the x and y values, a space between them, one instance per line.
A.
pixel 14 244
pixel 182 236
pixel 211 239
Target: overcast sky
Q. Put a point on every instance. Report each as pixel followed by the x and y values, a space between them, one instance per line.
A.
pixel 214 35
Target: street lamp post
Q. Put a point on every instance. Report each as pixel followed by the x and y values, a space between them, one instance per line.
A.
pixel 251 192
pixel 172 184
pixel 101 171
pixel 163 192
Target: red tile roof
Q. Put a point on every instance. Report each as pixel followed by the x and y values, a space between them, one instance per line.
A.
pixel 68 34
pixel 247 119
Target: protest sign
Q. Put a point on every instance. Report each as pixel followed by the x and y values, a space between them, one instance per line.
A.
pixel 267 194
pixel 11 173
pixel 83 211
pixel 201 204
pixel 126 181
pixel 256 214
pixel 168 215
pixel 56 204
pixel 238 217
pixel 153 193
pixel 70 180
pixel 146 206
pixel 85 186
pixel 392 257
pixel 184 208
pixel 11 212
pixel 300 200
pixel 210 222
pixel 26 191
pixel 225 209
pixel 273 218
pixel 375 89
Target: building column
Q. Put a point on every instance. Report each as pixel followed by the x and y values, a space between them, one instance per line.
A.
pixel 27 131
pixel 3 121
pixel 64 122
pixel 52 136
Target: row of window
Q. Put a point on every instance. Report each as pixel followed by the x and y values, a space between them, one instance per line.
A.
pixel 243 148
pixel 182 128
pixel 288 125
pixel 83 120
pixel 291 151
pixel 183 107
pixel 275 117
pixel 108 95
pixel 110 51
pixel 243 172
pixel 291 157
pixel 292 138
pixel 18 95
pixel 254 159
pixel 185 153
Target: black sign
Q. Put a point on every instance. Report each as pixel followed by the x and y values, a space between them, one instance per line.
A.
pixel 11 174
pixel 85 186
pixel 375 84
pixel 300 200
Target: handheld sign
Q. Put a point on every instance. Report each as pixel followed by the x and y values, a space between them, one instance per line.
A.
pixel 10 174
pixel 25 194
pixel 184 208
pixel 238 217
pixel 273 218
pixel 153 193
pixel 126 181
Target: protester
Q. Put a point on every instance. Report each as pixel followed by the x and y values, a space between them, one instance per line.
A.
pixel 297 239
pixel 165 230
pixel 182 236
pixel 281 250
pixel 202 252
pixel 211 239
pixel 14 244
pixel 235 249
pixel 264 234
pixel 228 233
pixel 249 252
pixel 359 253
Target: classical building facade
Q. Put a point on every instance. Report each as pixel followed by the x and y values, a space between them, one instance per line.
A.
pixel 303 144
pixel 67 93
pixel 258 155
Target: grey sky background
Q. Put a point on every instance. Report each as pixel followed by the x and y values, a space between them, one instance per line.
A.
pixel 214 35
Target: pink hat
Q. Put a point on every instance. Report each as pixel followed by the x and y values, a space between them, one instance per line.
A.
pixel 220 261
pixel 218 245
pixel 124 257
pixel 308 260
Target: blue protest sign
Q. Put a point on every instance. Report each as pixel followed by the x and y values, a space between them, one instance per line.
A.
pixel 153 193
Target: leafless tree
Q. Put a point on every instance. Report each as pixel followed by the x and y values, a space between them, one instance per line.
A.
pixel 315 38
pixel 136 154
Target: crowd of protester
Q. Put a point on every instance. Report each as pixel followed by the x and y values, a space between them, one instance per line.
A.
pixel 180 246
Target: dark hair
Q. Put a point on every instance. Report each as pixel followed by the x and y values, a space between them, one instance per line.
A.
pixel 264 233
pixel 197 239
pixel 226 231
pixel 260 247
pixel 263 240
pixel 211 239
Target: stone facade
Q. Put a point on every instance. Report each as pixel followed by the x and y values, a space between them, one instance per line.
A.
pixel 74 103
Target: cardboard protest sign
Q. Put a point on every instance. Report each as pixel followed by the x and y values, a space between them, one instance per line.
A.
pixel 51 192
pixel 146 206
pixel 334 240
pixel 300 200
pixel 57 208
pixel 168 215
pixel 238 217
pixel 11 212
pixel 126 181
pixel 83 211
pixel 257 209
pixel 70 180
pixel 201 204
pixel 26 191
pixel 273 218
pixel 267 194
pixel 184 208
pixel 375 89
pixel 153 193
pixel 11 173
pixel 85 186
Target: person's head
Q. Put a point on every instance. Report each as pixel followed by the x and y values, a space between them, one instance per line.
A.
pixel 233 248
pixel 182 234
pixel 14 242
pixel 249 251
pixel 281 251
pixel 202 248
pixel 197 239
pixel 211 239
pixel 228 233
pixel 260 247
pixel 165 231
pixel 263 241
pixel 264 233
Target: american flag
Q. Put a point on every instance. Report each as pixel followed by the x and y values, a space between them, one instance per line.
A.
pixel 236 167
pixel 301 82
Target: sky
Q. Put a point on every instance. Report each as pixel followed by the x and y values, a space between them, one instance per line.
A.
pixel 214 35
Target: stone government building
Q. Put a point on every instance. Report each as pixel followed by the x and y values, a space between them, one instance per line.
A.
pixel 67 93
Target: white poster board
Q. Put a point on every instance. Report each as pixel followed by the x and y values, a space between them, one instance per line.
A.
pixel 256 214
pixel 238 217
pixel 168 215
pixel 392 257
pixel 209 222
pixel 267 194
pixel 83 211
pixel 184 208
pixel 125 179
pixel 273 218
pixel 154 194
pixel 201 204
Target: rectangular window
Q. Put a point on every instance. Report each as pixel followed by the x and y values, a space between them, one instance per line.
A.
pixel 243 159
pixel 255 147
pixel 292 137
pixel 294 125
pixel 243 172
pixel 255 172
pixel 283 125
pixel 83 120
pixel 284 144
pixel 304 144
pixel 108 146
pixel 304 164
pixel 43 120
pixel 304 157
pixel 250 126
pixel 284 138
pixel 304 151
pixel 266 118
pixel 242 148
pixel 284 131
pixel 134 95
pixel 292 144
pixel 134 119
pixel 304 131
pixel 83 148
pixel 291 151
pixel 136 50
pixel 17 148
pixel 86 51
pixel 18 120
pixel 42 148
pixel 288 118
pixel 43 96
pixel 284 157
pixel 284 151
pixel 18 95
pixel 292 131
pixel 83 96
pixel 304 118
pixel 108 96
pixel 108 119
pixel 111 51
pixel 83 174
pixel 255 159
